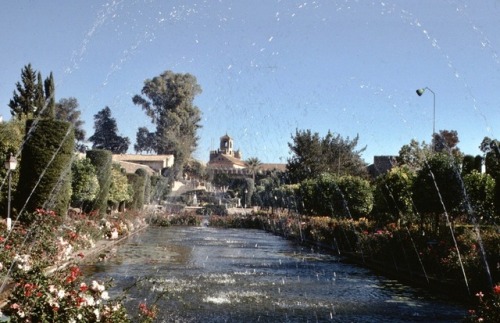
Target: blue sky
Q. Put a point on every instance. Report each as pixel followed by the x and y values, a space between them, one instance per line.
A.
pixel 269 67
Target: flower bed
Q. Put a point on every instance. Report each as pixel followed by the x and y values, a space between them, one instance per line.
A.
pixel 41 281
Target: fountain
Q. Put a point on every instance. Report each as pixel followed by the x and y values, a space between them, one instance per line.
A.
pixel 268 81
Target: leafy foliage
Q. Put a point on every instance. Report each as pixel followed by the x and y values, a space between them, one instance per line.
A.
pixel 101 160
pixel 471 163
pixel 446 141
pixel 253 166
pixel 480 189
pixel 168 100
pixel 67 110
pixel 438 188
pixel 332 154
pixel 85 184
pixel 119 190
pixel 345 196
pixel 195 169
pixel 105 135
pixel 491 147
pixel 413 155
pixel 11 136
pixel 145 141
pixel 393 195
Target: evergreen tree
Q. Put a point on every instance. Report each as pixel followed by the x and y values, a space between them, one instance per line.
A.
pixel 50 88
pixel 23 100
pixel 105 136
pixel 33 96
pixel 145 141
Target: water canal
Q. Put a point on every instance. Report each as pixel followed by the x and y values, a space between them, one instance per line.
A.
pixel 200 274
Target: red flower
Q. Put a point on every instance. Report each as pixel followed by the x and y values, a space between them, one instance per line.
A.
pixel 496 289
pixel 73 275
pixel 28 289
pixel 83 287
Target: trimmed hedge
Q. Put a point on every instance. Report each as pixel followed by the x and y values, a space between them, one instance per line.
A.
pixel 102 161
pixel 138 183
pixel 45 167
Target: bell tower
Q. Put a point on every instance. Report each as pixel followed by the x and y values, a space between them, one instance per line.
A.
pixel 226 145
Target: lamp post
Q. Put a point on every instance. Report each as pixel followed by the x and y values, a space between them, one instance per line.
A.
pixel 10 165
pixel 245 199
pixel 419 93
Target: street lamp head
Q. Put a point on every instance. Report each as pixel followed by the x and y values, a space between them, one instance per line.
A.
pixel 420 91
pixel 11 163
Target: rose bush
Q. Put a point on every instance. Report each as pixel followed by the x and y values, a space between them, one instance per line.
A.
pixel 45 285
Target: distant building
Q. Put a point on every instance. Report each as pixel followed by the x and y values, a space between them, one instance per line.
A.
pixel 228 161
pixel 225 159
pixel 381 165
pixel 153 164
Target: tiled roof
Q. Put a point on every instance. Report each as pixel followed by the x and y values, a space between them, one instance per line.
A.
pixel 141 157
pixel 225 160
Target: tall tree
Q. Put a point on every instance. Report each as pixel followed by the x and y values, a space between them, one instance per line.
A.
pixel 40 96
pixel 105 135
pixel 446 141
pixel 168 100
pixel 414 155
pixel 50 89
pixel 23 100
pixel 313 155
pixel 33 96
pixel 67 110
pixel 145 140
pixel 437 188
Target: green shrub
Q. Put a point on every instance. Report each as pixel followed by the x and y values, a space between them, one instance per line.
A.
pixel 45 167
pixel 102 161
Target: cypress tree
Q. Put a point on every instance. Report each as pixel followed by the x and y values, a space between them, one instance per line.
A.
pixel 39 96
pixel 49 87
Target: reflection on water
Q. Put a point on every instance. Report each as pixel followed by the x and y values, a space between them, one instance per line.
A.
pixel 220 275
